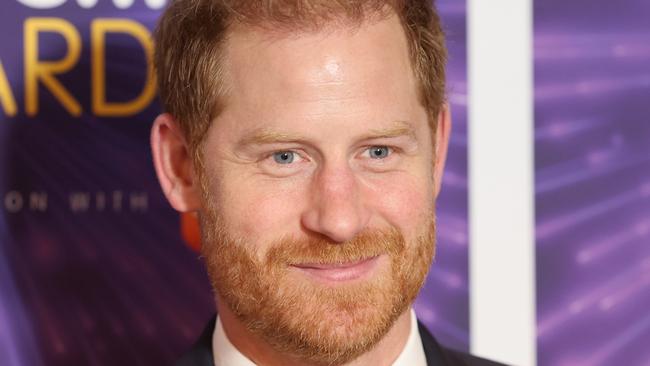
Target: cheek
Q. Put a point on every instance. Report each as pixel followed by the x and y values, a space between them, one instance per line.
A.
pixel 404 201
pixel 260 210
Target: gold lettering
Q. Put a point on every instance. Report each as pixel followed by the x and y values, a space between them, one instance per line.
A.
pixel 36 70
pixel 6 97
pixel 101 107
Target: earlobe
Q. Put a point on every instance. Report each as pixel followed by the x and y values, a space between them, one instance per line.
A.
pixel 443 132
pixel 173 164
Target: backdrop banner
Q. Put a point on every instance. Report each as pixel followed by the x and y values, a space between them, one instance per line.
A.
pixel 93 267
pixel 592 94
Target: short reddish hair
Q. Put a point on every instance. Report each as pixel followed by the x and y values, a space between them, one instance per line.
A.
pixel 190 36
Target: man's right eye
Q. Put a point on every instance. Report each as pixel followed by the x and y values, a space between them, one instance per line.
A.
pixel 284 157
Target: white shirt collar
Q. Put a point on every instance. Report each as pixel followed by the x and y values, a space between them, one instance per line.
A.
pixel 225 353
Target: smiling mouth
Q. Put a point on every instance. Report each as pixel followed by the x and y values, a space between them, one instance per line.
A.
pixel 339 272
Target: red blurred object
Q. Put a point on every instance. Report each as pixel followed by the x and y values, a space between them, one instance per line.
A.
pixel 190 230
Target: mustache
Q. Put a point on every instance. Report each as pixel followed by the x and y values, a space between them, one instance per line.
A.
pixel 368 244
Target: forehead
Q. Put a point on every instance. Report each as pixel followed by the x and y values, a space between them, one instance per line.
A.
pixel 337 71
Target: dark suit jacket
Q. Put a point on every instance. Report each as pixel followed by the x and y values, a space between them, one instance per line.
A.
pixel 436 355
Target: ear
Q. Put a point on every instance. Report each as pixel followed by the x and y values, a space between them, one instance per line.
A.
pixel 443 131
pixel 173 164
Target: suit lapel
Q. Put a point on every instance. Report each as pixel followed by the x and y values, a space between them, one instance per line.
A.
pixel 201 353
pixel 433 352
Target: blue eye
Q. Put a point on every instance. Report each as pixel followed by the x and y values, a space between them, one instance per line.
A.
pixel 379 152
pixel 284 157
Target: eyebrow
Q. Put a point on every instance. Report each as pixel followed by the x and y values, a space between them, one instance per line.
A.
pixel 267 136
pixel 399 128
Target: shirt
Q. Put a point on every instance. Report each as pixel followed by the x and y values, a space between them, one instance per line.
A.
pixel 225 353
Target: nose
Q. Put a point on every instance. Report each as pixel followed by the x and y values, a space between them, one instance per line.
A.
pixel 336 207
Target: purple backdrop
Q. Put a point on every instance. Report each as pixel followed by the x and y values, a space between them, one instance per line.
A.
pixel 592 137
pixel 92 267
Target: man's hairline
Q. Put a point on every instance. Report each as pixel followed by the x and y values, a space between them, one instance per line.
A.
pixel 274 34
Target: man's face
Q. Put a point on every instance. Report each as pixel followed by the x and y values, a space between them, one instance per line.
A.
pixel 318 187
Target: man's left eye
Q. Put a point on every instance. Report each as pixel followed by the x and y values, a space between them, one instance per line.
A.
pixel 379 152
pixel 284 157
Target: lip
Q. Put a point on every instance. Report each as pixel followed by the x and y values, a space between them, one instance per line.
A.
pixel 339 272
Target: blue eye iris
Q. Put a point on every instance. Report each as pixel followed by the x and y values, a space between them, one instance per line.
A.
pixel 284 157
pixel 379 152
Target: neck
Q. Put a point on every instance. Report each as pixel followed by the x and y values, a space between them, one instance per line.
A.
pixel 261 353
